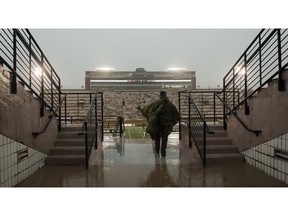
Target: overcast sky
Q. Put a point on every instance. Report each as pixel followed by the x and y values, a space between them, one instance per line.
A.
pixel 203 36
pixel 209 52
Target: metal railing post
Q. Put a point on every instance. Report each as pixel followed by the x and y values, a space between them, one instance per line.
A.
pixel 60 114
pixel 214 107
pixel 204 144
pixel 247 109
pixel 96 122
pixel 189 121
pixel 179 108
pixel 51 91
pixel 281 82
pixel 224 107
pixel 1 64
pixel 86 146
pixel 42 88
pixel 13 75
pixel 30 62
pixel 233 88
pixel 260 61
pixel 102 118
pixel 65 110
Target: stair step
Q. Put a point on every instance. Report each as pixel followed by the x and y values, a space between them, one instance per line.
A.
pixel 69 135
pixel 216 127
pixel 219 141
pixel 217 133
pixel 214 149
pixel 224 158
pixel 70 142
pixel 220 148
pixel 71 129
pixel 67 150
pixel 65 160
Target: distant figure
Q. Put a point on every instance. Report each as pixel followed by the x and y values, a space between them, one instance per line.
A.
pixel 161 116
pixel 118 124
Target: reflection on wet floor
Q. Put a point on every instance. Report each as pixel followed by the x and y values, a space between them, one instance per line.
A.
pixel 131 163
pixel 120 151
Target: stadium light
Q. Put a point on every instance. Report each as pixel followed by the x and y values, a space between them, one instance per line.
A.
pixel 105 69
pixel 176 69
pixel 38 71
pixel 240 71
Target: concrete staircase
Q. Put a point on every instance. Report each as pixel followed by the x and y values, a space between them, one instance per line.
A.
pixel 220 148
pixel 68 149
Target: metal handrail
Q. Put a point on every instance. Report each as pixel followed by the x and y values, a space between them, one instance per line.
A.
pixel 207 104
pixel 89 112
pixel 256 132
pixel 90 125
pixel 196 124
pixel 21 54
pixel 35 134
pixel 76 106
pixel 201 116
pixel 264 60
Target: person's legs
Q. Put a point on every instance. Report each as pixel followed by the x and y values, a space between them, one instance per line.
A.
pixel 157 144
pixel 164 145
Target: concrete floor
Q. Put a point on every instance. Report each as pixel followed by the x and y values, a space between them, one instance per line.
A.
pixel 132 163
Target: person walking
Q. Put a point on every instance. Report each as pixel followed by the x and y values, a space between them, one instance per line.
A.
pixel 161 116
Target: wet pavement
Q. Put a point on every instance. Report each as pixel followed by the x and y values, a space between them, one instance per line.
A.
pixel 132 163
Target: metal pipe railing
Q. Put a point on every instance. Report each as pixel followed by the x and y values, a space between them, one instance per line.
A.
pixel 35 134
pixel 93 119
pixel 75 106
pixel 226 107
pixel 24 59
pixel 197 126
pixel 264 59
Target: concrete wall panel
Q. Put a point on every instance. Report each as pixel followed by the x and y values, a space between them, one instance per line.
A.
pixel 20 116
pixel 268 113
